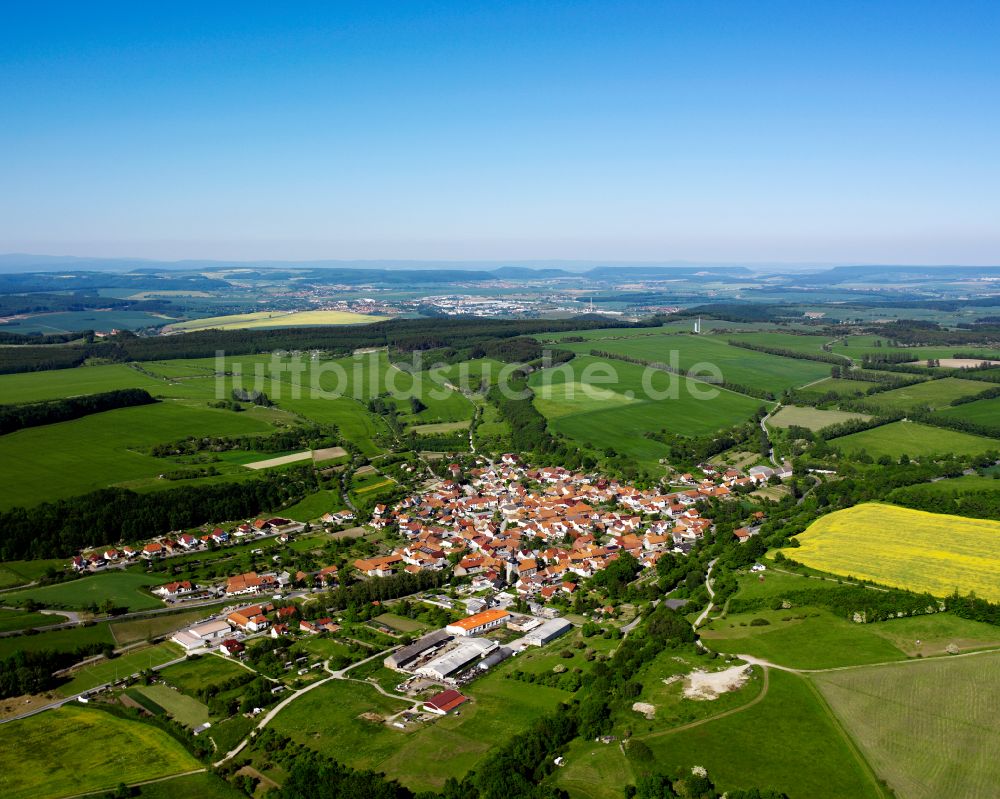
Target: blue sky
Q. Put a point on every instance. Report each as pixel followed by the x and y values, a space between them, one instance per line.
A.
pixel 719 131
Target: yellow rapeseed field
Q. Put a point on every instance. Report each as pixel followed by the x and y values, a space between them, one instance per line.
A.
pixel 906 548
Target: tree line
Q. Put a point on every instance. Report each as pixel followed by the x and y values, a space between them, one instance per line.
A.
pixel 35 414
pixel 402 335
pixel 62 528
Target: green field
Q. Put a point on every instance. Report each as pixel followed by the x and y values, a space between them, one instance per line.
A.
pixel 60 460
pixel 74 750
pixel 123 588
pixel 22 620
pixel 606 404
pixel 929 728
pixel 20 572
pixel 810 418
pixel 913 439
pixel 839 386
pixel 788 741
pixel 67 640
pixel 985 412
pixel 735 364
pixel 112 448
pixel 932 393
pixel 182 708
pixel 802 638
pixel 912 549
pixel 75 321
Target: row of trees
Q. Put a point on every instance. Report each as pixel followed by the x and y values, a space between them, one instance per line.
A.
pixel 35 414
pixel 302 437
pixel 738 388
pixel 784 352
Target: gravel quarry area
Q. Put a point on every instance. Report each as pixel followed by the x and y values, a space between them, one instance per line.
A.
pixel 708 685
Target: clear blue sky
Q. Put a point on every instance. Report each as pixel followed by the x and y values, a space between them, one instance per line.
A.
pixel 718 131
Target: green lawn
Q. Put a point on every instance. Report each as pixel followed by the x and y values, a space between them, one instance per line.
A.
pixel 789 741
pixel 74 749
pixel 928 727
pixel 183 708
pixel 201 672
pixel 19 572
pixel 593 771
pixel 106 671
pixel 124 588
pixel 913 439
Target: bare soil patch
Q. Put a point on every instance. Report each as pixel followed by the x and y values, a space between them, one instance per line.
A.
pixel 709 685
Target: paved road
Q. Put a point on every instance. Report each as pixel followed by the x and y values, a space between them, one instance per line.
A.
pixel 763 426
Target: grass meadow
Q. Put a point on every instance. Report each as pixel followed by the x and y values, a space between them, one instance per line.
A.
pixel 788 741
pixel 124 588
pixel 201 672
pixel 182 708
pixel 75 750
pixel 936 394
pixel 929 728
pixel 329 719
pixel 906 548
pixel 985 412
pixel 66 640
pixel 913 439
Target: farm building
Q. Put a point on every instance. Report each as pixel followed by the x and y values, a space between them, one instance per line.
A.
pixel 547 631
pixel 403 657
pixel 480 623
pixel 202 634
pixel 445 702
pixel 459 656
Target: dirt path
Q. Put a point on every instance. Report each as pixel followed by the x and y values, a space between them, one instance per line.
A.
pixel 909 661
pixel 711 596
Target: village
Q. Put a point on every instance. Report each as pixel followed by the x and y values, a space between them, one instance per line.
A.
pixel 512 543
